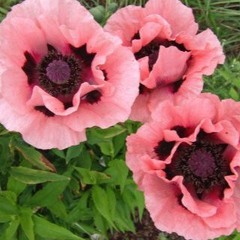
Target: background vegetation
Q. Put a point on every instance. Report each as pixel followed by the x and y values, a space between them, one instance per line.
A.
pixel 86 191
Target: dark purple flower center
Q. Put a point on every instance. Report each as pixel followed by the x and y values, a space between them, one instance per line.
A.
pixel 58 71
pixel 61 75
pixel 202 164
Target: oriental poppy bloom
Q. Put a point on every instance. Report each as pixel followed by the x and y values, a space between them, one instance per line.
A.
pixel 60 73
pixel 172 55
pixel 187 163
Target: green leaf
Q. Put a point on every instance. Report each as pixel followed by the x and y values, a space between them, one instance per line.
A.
pixel 98 13
pixel 101 202
pixel 15 186
pixel 73 152
pixel 10 231
pixel 233 94
pixel 81 211
pixel 58 209
pixel 107 148
pixel 27 222
pixel 32 176
pixel 100 222
pixel 91 177
pixel 112 201
pixel 8 206
pixel 133 198
pixel 119 172
pixel 98 135
pixel 51 231
pixel 49 194
pixel 123 219
pixel 58 153
pixel 33 156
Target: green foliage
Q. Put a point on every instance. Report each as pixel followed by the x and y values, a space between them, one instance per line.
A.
pixel 85 190
pixel 226 80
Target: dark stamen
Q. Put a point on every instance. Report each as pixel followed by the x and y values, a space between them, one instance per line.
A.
pixel 45 111
pixel 136 36
pixel 29 67
pixel 151 50
pixel 163 149
pixel 176 85
pixel 93 97
pixel 82 53
pixel 181 131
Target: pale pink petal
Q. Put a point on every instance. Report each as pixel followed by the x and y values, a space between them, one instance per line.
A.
pixel 20 88
pixel 206 53
pixel 125 23
pixel 176 14
pixel 170 66
pixel 50 131
pixel 140 110
pixel 162 201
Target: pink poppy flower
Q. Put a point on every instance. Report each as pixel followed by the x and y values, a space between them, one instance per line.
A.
pixel 187 163
pixel 60 73
pixel 172 55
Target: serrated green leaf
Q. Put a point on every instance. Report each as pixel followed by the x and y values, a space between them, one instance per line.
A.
pixel 58 209
pixel 27 222
pixel 81 211
pixel 119 172
pixel 33 156
pixel 10 231
pixel 98 135
pixel 107 148
pixel 8 204
pixel 51 231
pixel 91 177
pixel 32 176
pixel 49 194
pixel 133 198
pixel 73 152
pixel 15 186
pixel 100 222
pixel 123 221
pixel 59 153
pixel 101 202
pixel 112 201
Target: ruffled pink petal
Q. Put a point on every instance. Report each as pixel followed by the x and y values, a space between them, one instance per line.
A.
pixel 153 26
pixel 170 66
pixel 15 81
pixel 125 23
pixel 198 109
pixel 229 133
pixel 236 196
pixel 140 110
pixel 50 131
pixel 13 35
pixel 162 201
pixel 176 14
pixel 206 53
pixel 192 85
